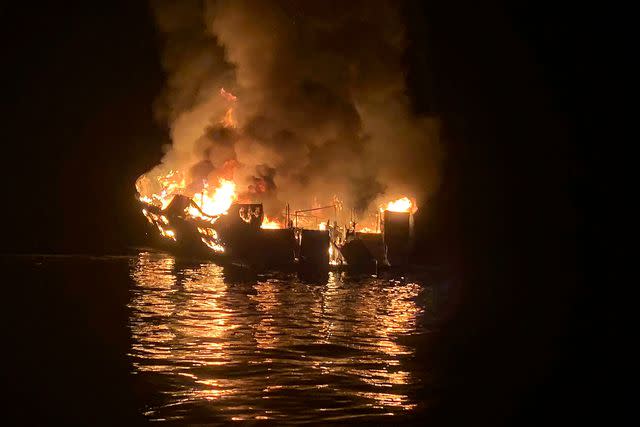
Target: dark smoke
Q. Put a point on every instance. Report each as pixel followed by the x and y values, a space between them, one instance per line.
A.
pixel 321 108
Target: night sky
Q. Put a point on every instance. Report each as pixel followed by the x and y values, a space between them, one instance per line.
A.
pixel 78 88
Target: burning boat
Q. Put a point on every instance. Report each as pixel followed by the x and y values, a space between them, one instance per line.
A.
pixel 235 236
pixel 243 235
pixel 388 245
pixel 197 209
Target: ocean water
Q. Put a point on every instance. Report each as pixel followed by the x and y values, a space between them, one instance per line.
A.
pixel 149 337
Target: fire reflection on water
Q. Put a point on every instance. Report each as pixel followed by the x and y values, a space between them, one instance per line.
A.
pixel 217 347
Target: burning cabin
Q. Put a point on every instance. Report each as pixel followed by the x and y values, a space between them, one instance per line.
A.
pixel 388 248
pixel 237 236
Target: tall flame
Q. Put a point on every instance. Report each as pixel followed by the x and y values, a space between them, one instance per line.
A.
pixel 220 200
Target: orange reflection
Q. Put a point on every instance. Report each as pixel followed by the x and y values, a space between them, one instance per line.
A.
pixel 247 348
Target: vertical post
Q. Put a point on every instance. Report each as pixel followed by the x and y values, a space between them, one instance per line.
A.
pixel 286 215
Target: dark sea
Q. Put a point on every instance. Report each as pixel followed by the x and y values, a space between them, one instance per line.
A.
pixel 151 338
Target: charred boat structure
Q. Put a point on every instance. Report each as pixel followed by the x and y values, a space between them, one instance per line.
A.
pixel 239 237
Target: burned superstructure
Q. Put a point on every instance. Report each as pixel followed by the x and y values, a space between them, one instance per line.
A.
pixel 241 236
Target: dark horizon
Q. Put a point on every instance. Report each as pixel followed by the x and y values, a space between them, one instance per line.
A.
pixel 508 221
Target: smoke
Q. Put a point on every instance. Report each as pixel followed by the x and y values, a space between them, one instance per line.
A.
pixel 321 108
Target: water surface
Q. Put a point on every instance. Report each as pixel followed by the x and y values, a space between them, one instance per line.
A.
pixel 193 342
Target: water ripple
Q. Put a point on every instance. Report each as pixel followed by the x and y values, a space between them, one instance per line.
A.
pixel 215 347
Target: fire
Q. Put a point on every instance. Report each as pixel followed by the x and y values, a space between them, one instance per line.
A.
pixel 219 201
pixel 209 237
pixel 227 95
pixel 211 201
pixel 169 185
pixel 161 222
pixel 403 204
pixel 207 205
pixel 228 119
pixel 168 233
pixel 270 224
pixel 212 197
pixel 368 230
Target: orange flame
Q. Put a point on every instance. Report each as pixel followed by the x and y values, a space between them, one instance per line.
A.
pixel 227 95
pixel 215 200
pixel 161 222
pixel 403 204
pixel 228 120
pixel 219 200
pixel 368 230
pixel 270 224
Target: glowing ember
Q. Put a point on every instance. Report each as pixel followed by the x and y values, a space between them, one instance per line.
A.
pixel 212 245
pixel 148 216
pixel 210 238
pixel 161 222
pixel 208 232
pixel 401 205
pixel 168 233
pixel 322 226
pixel 270 224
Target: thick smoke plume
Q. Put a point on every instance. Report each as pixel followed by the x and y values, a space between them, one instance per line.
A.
pixel 318 98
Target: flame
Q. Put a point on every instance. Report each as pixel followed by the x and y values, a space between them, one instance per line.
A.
pixel 334 256
pixel 270 224
pixel 161 222
pixel 209 237
pixel 215 198
pixel 212 244
pixel 368 230
pixel 170 184
pixel 220 200
pixel 228 119
pixel 208 204
pixel 227 95
pixel 166 232
pixel 403 204
pixel 212 203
